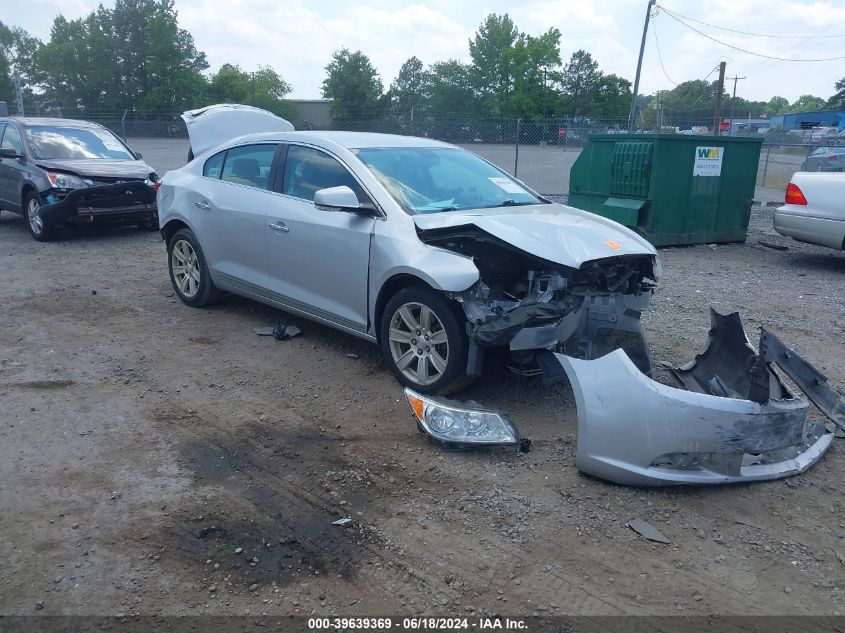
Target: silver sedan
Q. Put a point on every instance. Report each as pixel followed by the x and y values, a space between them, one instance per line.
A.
pixel 416 245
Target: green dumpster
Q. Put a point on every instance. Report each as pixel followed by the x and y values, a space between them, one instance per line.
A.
pixel 671 188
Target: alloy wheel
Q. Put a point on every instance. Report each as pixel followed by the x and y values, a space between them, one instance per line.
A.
pixel 35 223
pixel 419 344
pixel 184 264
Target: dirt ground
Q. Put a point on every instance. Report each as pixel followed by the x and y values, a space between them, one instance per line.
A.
pixel 158 459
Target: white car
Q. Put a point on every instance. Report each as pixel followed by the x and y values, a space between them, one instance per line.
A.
pixel 416 245
pixel 814 209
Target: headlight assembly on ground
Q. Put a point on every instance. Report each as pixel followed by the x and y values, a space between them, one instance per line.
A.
pixel 461 425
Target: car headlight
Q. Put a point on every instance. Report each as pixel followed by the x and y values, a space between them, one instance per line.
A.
pixel 66 181
pixel 460 425
pixel 658 268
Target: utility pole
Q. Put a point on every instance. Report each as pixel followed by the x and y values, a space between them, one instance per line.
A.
pixel 639 67
pixel 720 88
pixel 733 100
pixel 253 88
pixel 19 93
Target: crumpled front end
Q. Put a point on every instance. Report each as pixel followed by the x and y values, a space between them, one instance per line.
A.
pixel 125 202
pixel 526 303
pixel 734 420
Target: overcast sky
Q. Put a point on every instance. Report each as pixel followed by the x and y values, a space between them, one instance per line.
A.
pixel 297 37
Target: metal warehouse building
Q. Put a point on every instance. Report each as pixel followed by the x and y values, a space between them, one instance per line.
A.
pixel 808 120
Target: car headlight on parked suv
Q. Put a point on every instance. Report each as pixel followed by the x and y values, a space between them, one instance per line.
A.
pixel 66 181
pixel 460 425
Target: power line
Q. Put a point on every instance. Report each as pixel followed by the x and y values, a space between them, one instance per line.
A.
pixel 747 52
pixel 659 56
pixel 724 28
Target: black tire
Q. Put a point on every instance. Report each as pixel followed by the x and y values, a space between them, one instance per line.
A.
pixel 199 290
pixel 444 320
pixel 38 231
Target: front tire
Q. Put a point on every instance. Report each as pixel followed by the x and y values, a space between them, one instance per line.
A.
pixel 424 341
pixel 189 270
pixel 37 229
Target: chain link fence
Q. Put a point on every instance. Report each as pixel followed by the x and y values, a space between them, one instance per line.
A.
pixel 540 153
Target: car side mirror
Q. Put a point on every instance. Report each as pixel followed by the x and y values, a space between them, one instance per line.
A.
pixel 340 199
pixel 9 152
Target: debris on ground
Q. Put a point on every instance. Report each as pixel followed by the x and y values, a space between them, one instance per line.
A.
pixel 342 521
pixel 648 531
pixel 352 355
pixel 279 332
pixel 777 247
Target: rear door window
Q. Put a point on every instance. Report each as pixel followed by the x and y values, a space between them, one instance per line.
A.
pixel 214 165
pixel 249 165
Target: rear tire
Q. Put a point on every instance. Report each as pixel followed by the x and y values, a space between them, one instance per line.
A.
pixel 189 270
pixel 34 224
pixel 424 341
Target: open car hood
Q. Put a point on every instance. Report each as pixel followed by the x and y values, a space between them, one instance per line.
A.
pixel 553 232
pixel 216 124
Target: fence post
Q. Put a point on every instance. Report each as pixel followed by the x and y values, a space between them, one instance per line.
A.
pixel 766 166
pixel 516 149
pixel 123 124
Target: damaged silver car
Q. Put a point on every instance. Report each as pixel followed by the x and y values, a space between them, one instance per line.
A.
pixel 417 245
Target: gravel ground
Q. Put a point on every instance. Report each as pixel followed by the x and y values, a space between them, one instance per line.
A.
pixel 158 459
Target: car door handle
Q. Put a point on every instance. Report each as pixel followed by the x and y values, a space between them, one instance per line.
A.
pixel 202 204
pixel 279 227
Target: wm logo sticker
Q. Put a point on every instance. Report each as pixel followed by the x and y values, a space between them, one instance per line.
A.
pixel 709 152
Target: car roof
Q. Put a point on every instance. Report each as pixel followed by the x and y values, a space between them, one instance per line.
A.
pixel 349 140
pixel 28 121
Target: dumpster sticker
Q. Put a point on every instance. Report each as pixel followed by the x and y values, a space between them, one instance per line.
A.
pixel 708 161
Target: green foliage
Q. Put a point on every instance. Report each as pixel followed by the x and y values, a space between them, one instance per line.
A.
pixel 610 97
pixel 837 101
pixel 18 51
pixel 776 105
pixel 808 103
pixel 353 85
pixel 580 79
pixel 449 89
pixel 408 90
pixel 262 89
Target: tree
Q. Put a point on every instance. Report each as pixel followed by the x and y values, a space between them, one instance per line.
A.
pixel 491 51
pixel 691 103
pixel 776 105
pixel 808 103
pixel 353 85
pixel 610 97
pixel 449 89
pixel 18 51
pixel 580 78
pixel 264 89
pixel 133 57
pixel 838 100
pixel 408 90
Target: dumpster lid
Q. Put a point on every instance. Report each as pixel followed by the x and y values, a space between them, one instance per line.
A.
pixel 623 210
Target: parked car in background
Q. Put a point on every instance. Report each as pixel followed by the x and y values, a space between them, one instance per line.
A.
pixel 825 159
pixel 814 210
pixel 414 244
pixel 56 172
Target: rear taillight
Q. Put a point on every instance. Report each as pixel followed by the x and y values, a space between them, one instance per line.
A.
pixel 156 185
pixel 794 194
pixel 832 157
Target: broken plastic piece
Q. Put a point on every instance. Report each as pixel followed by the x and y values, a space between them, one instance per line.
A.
pixel 633 430
pixel 342 521
pixel 279 332
pixel 648 531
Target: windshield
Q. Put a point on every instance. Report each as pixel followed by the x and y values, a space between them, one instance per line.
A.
pixel 57 142
pixel 432 180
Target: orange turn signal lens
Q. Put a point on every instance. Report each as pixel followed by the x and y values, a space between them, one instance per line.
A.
pixel 417 406
pixel 794 195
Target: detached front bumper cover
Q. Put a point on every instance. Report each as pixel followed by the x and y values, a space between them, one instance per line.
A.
pixel 735 421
